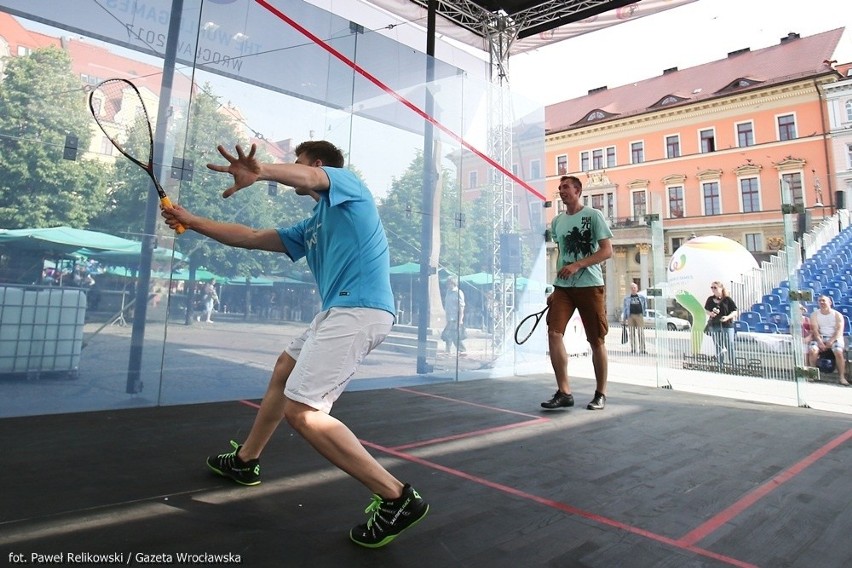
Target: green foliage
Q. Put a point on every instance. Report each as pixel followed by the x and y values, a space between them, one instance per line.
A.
pixel 42 100
pixel 465 227
pixel 253 206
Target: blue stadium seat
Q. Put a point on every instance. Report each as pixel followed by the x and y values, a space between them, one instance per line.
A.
pixel 840 284
pixel 774 300
pixel 781 321
pixel 835 294
pixel 762 309
pixel 844 309
pixel 740 325
pixel 750 318
pixel 766 327
pixel 782 292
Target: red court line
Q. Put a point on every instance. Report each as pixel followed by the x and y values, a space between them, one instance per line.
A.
pixel 470 434
pixel 250 403
pixel 561 506
pixel 405 102
pixel 759 492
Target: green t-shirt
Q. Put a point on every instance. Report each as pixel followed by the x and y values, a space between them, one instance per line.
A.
pixel 578 236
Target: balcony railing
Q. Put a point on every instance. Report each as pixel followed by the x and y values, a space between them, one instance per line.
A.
pixel 634 221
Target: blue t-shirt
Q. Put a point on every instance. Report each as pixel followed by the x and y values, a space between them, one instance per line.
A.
pixel 345 245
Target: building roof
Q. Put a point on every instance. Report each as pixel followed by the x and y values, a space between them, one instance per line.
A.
pixel 794 58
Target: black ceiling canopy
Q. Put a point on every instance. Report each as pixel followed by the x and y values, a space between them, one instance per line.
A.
pixel 531 17
pixel 527 24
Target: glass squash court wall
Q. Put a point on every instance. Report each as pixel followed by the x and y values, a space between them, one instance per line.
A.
pixel 243 72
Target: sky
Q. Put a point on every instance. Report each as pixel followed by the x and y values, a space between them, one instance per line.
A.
pixel 697 33
pixel 682 37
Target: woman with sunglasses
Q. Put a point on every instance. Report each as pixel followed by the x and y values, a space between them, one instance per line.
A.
pixel 721 311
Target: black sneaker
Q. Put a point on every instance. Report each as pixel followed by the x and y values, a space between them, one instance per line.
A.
pixel 598 402
pixel 559 400
pixel 229 465
pixel 389 518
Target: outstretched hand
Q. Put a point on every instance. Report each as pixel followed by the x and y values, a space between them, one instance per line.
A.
pixel 245 169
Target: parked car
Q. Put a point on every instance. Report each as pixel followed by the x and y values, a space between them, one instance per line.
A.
pixel 672 323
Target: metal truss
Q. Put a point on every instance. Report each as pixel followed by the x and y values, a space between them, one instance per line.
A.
pixel 501 34
pixel 541 17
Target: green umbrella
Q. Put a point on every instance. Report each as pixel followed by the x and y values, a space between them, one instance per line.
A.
pixel 200 274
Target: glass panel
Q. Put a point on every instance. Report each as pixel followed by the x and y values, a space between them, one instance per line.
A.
pixel 139 334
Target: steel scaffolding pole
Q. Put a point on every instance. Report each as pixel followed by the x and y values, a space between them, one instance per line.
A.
pixel 501 32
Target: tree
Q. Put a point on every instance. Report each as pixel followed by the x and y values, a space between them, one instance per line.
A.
pixel 194 137
pixel 252 206
pixel 42 102
pixel 401 213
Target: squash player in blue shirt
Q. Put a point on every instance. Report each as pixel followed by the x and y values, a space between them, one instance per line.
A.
pixel 346 249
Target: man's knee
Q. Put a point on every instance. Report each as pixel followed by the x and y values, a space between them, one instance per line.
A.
pixel 298 415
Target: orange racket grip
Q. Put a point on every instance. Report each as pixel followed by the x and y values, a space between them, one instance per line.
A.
pixel 166 203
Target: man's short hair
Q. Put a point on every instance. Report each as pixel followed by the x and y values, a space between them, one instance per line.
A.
pixel 573 180
pixel 322 150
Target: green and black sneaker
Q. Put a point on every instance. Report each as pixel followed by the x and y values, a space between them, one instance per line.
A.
pixel 389 518
pixel 229 465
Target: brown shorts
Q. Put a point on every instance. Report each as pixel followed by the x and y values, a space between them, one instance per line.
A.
pixel 589 301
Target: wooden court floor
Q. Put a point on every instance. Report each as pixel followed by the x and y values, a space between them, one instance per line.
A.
pixel 659 478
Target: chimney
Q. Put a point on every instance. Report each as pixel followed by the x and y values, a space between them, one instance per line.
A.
pixel 669 70
pixel 739 52
pixel 790 37
pixel 597 90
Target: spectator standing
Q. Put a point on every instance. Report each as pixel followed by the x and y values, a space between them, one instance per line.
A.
pixel 633 316
pixel 722 311
pixel 454 333
pixel 211 299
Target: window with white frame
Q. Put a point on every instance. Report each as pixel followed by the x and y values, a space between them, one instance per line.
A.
pixel 535 169
pixel 602 201
pixel 597 159
pixel 562 165
pixel 754 242
pixel 749 194
pixel 536 214
pixel 673 146
pixel 584 161
pixel 677 242
pixel 707 138
pixel 712 198
pixel 472 180
pixel 676 205
pixel 849 110
pixel 106 146
pixel 793 181
pixel 610 156
pixel 745 134
pixel 849 156
pixel 786 127
pixel 640 207
pixel 637 152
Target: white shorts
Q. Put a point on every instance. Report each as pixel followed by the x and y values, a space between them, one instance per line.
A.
pixel 330 350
